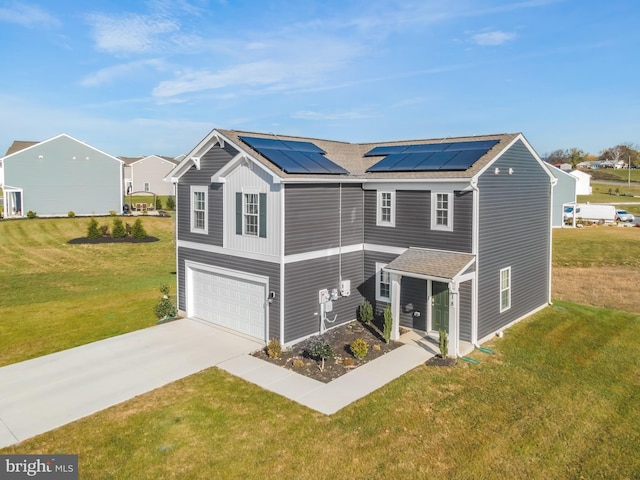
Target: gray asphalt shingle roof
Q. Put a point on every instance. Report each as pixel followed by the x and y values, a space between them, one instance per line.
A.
pixel 435 263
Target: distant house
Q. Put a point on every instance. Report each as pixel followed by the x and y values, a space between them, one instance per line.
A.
pixel 564 166
pixel 60 175
pixel 564 192
pixel 283 237
pixel 583 185
pixel 146 174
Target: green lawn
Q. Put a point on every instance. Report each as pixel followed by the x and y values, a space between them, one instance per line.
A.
pixel 596 246
pixel 559 399
pixel 604 193
pixel 56 295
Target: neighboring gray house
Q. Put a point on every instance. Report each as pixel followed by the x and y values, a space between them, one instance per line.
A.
pixel 146 174
pixel 60 175
pixel 564 192
pixel 283 237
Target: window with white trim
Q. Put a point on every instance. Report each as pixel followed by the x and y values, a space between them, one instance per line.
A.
pixel 251 213
pixel 442 211
pixel 147 187
pixel 386 211
pixel 505 289
pixel 199 209
pixel 383 284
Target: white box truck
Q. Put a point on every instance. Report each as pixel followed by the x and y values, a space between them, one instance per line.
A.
pixel 590 212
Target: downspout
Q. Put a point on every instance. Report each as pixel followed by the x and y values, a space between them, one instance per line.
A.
pixel 475 247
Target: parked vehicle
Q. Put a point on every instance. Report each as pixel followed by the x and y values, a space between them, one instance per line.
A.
pixel 624 216
pixel 590 212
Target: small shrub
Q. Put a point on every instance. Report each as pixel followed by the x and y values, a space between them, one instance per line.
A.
pixel 297 363
pixel 359 348
pixel 92 230
pixel 118 230
pixel 71 214
pixel 274 349
pixel 366 312
pixel 320 349
pixel 444 344
pixel 158 204
pixel 104 230
pixel 348 362
pixel 31 214
pixel 171 203
pixel 165 307
pixel 388 323
pixel 144 211
pixel 137 231
pixel 112 213
pixel 128 228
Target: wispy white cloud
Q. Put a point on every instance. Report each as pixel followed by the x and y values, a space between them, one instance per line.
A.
pixel 496 37
pixel 109 74
pixel 27 15
pixel 130 33
pixel 345 115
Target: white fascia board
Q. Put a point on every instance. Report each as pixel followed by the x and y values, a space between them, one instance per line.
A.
pixel 249 157
pixel 238 160
pixel 422 184
pixel 193 157
pixel 328 179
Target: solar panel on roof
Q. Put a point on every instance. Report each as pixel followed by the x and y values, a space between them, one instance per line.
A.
pixel 293 156
pixel 445 156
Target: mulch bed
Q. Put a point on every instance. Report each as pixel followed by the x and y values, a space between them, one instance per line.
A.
pixel 94 241
pixel 339 338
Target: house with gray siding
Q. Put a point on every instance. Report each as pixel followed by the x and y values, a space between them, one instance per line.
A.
pixel 60 175
pixel 284 237
pixel 564 193
pixel 146 174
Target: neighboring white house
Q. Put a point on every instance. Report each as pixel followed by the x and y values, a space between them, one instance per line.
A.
pixel 564 192
pixel 60 175
pixel 146 174
pixel 583 186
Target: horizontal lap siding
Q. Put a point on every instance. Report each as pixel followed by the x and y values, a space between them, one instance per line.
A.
pixel 465 310
pixel 210 163
pixel 413 222
pixel 312 214
pixel 413 299
pixel 513 232
pixel 369 284
pixel 303 281
pixel 270 270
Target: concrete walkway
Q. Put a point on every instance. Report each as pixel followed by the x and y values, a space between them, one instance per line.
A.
pixel 47 392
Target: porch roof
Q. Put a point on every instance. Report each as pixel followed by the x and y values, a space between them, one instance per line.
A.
pixel 425 262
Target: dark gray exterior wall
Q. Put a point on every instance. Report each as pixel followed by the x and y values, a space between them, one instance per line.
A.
pixel 368 288
pixel 304 279
pixel 513 232
pixel 413 298
pixel 267 269
pixel 466 293
pixel 413 222
pixel 312 213
pixel 210 163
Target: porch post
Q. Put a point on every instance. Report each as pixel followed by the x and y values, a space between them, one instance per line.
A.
pixel 395 305
pixel 454 335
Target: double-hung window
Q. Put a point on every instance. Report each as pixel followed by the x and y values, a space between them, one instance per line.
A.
pixel 383 284
pixel 505 289
pixel 386 211
pixel 251 214
pixel 199 209
pixel 442 211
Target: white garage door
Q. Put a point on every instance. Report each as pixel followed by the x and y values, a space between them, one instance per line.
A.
pixel 234 303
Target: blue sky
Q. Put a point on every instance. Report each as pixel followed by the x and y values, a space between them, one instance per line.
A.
pixel 154 77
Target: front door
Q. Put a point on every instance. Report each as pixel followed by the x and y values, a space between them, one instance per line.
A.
pixel 440 306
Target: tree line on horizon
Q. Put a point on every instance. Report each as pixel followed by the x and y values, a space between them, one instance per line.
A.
pixel 627 152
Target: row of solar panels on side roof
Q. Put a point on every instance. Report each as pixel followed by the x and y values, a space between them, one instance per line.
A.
pixel 293 156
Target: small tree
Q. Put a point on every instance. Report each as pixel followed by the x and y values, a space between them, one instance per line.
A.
pixel 93 232
pixel 165 307
pixel 444 343
pixel 171 203
pixel 137 231
pixel 366 312
pixel 118 230
pixel 158 204
pixel 388 323
pixel 320 349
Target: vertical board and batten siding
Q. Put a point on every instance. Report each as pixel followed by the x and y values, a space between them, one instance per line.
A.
pixel 413 298
pixel 514 231
pixel 303 281
pixel 312 214
pixel 413 222
pixel 70 176
pixel 253 180
pixel 210 163
pixel 267 269
pixel 465 297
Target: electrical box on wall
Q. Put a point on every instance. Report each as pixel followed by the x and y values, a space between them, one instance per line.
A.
pixel 323 296
pixel 345 288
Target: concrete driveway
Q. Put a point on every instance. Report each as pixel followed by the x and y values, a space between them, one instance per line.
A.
pixel 45 393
